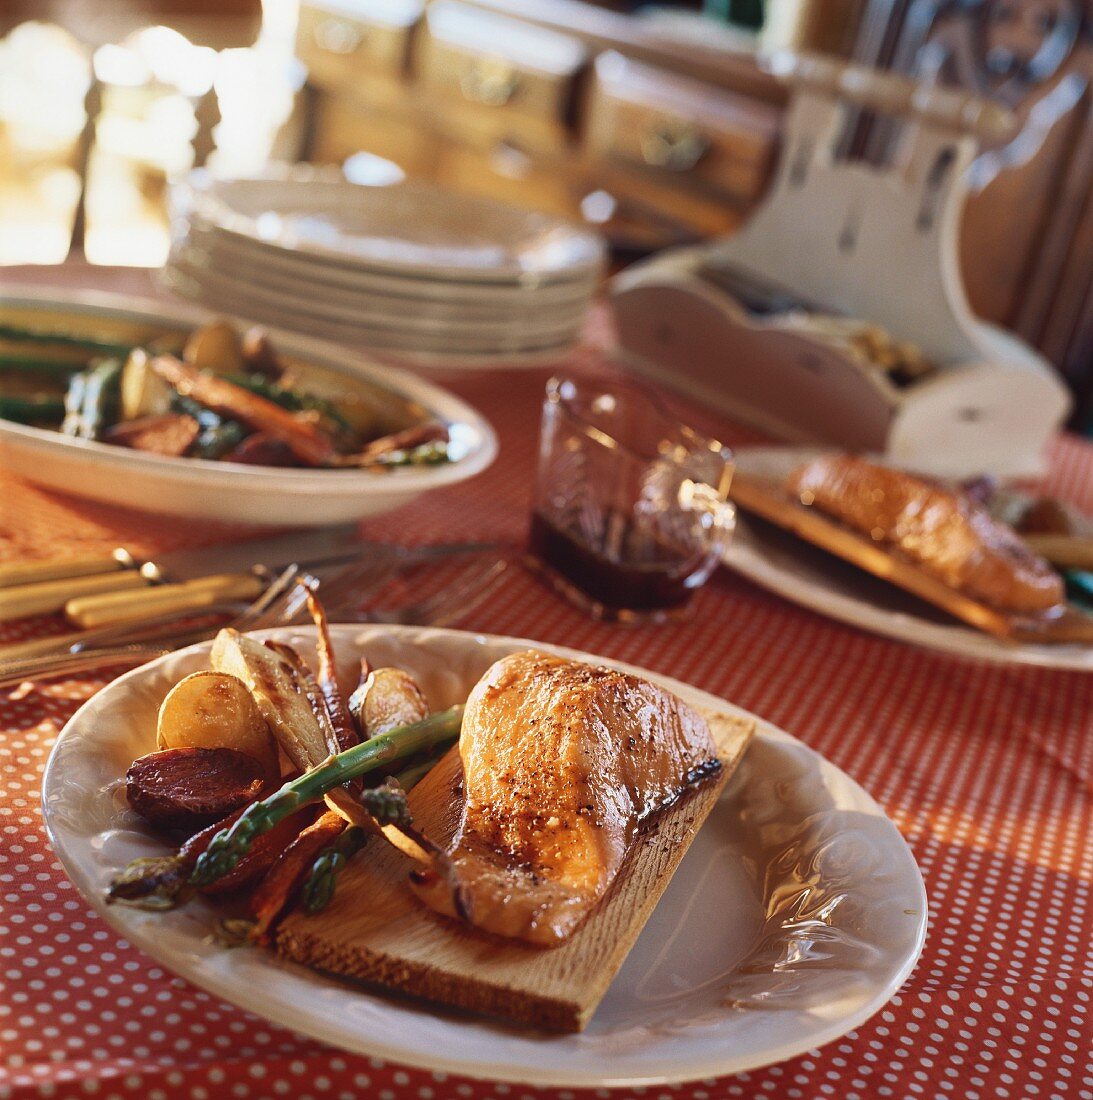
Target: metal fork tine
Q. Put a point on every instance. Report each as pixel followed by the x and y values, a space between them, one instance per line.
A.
pixel 465 593
pixel 263 608
pixel 463 600
pixel 356 582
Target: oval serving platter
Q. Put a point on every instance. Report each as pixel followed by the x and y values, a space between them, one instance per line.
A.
pixel 224 491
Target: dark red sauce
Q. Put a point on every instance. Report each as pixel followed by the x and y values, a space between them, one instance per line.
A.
pixel 640 574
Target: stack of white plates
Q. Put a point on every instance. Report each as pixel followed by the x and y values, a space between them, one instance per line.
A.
pixel 409 269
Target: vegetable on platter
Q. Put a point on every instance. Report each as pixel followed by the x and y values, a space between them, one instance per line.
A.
pixel 215 394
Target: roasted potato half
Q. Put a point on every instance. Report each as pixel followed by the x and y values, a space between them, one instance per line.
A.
pixel 388 698
pixel 216 346
pixel 212 710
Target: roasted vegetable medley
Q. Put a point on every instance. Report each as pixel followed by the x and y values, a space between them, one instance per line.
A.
pixel 213 394
pixel 273 780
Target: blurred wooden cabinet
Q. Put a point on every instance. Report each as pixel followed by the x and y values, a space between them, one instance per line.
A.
pixel 488 79
pixel 688 147
pixel 478 99
pixel 364 42
pixel 572 109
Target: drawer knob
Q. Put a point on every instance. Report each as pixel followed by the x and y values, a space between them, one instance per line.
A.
pixel 337 36
pixel 490 81
pixel 675 145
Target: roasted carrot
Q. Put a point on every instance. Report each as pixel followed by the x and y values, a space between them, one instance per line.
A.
pixel 263 853
pixel 307 442
pixel 344 729
pixel 278 889
pixel 162 882
pixel 406 440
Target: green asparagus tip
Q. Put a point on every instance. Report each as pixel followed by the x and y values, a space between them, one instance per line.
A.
pixel 318 888
pixel 155 883
pixel 229 846
pixel 387 804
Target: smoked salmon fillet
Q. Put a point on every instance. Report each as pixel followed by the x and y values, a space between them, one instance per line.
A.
pixel 948 535
pixel 562 761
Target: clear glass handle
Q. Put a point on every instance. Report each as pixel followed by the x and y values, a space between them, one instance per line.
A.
pixel 716 515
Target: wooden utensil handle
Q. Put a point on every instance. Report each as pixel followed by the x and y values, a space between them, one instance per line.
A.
pixel 49 596
pixel 35 572
pixel 891 93
pixel 1065 551
pixel 94 611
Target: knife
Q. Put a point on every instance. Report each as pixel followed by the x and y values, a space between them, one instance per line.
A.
pixel 16 656
pixel 175 580
pixel 14 573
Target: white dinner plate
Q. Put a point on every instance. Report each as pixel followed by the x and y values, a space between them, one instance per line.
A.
pixel 241 256
pixel 410 228
pixel 427 351
pixel 394 329
pixel 367 306
pixel 823 583
pixel 795 916
pixel 228 491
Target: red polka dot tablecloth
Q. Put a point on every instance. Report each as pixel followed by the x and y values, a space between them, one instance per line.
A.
pixel 985 769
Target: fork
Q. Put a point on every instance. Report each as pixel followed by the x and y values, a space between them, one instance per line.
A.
pixel 354 583
pixel 456 600
pixel 281 603
pixel 262 612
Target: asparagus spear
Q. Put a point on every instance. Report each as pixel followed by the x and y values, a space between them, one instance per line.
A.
pixel 64 339
pixel 318 888
pixel 31 409
pixel 93 398
pixel 218 434
pixel 74 399
pixel 103 397
pixel 26 364
pixel 161 882
pixel 308 443
pixel 1079 586
pixel 292 399
pixel 230 845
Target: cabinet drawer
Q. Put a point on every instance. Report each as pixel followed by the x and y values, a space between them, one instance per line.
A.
pixel 348 42
pixel 551 186
pixel 490 77
pixel 671 128
pixel 344 126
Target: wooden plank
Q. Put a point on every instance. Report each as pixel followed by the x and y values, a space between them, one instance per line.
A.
pixel 770 500
pixel 376 931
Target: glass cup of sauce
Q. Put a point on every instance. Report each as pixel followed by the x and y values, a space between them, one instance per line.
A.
pixel 630 513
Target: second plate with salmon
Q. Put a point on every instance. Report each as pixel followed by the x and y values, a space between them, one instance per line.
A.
pixel 783 562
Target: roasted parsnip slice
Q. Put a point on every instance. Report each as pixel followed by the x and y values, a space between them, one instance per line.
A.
pixel 275 688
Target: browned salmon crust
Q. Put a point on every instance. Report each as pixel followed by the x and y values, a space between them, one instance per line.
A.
pixel 561 762
pixel 948 535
